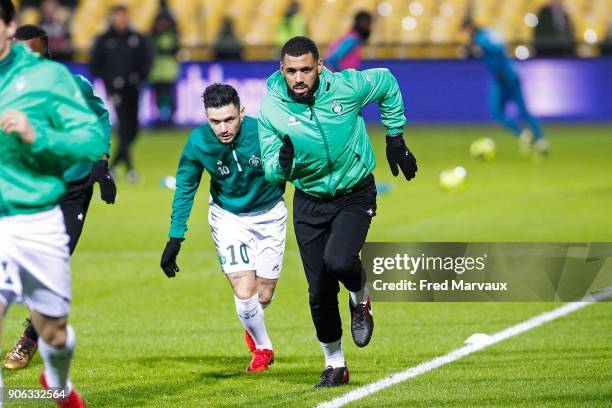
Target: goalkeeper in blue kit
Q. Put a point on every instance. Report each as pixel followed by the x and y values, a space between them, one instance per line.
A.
pixel 506 88
pixel 247 214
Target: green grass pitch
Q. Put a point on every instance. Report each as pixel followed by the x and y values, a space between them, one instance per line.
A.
pixel 148 341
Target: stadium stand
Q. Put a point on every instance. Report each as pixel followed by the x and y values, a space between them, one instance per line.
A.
pixel 402 29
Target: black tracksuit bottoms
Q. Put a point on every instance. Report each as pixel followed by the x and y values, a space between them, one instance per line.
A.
pixel 74 205
pixel 126 106
pixel 330 233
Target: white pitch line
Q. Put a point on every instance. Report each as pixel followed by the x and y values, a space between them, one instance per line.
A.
pixel 457 354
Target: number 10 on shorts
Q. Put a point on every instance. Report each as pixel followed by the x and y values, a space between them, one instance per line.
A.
pixel 231 254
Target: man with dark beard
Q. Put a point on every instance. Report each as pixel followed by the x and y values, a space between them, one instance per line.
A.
pixel 345 52
pixel 313 135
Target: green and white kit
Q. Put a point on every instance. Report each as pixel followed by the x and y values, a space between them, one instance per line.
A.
pixel 247 214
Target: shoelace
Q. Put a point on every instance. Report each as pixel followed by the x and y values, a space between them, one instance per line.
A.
pixel 360 311
pixel 22 350
pixel 327 374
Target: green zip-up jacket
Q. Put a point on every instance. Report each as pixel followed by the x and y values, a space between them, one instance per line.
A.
pixel 66 131
pixel 332 148
pixel 237 181
pixel 80 170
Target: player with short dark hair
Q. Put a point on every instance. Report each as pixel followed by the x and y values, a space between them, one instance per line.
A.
pixel 80 178
pixel 312 134
pixel 44 123
pixel 247 215
pixel 35 37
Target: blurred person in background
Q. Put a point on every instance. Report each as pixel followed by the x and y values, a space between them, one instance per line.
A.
pixel 606 46
pixel 554 34
pixel 79 177
pixel 71 4
pixel 292 25
pixel 345 52
pixel 227 45
pixel 165 71
pixel 506 88
pixel 122 58
pixel 54 20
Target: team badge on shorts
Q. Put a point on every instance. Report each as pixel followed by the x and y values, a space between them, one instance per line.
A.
pixel 222 260
pixel 255 161
pixel 337 107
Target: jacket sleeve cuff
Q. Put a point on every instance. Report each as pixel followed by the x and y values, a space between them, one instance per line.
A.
pixel 395 131
pixel 40 140
pixel 177 232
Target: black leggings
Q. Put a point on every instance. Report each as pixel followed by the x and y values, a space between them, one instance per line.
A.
pixel 330 233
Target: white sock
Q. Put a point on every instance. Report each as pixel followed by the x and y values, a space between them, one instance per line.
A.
pixel 358 297
pixel 57 361
pixel 333 354
pixel 251 315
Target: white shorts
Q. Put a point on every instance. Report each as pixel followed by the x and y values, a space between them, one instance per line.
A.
pixel 35 262
pixel 250 241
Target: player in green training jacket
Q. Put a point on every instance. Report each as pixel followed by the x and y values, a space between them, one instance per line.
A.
pixel 44 123
pixel 312 134
pixel 247 214
pixel 79 178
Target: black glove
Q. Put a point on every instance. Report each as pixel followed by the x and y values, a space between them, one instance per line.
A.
pixel 399 155
pixel 285 155
pixel 101 175
pixel 168 259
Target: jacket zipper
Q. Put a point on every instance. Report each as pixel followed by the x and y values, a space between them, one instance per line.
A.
pixel 329 162
pixel 236 159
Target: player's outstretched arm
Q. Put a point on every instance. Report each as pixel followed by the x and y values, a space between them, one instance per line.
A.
pixel 188 176
pixel 99 173
pixel 168 259
pixel 380 86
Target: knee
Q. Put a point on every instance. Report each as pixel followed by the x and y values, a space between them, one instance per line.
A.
pixel 265 290
pixel 265 297
pixel 339 265
pixel 55 336
pixel 244 292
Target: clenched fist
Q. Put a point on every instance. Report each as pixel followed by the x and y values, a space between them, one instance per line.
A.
pixel 13 121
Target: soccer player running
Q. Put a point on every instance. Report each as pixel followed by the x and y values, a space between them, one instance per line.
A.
pixel 79 177
pixel 506 88
pixel 247 215
pixel 312 134
pixel 44 122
